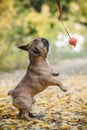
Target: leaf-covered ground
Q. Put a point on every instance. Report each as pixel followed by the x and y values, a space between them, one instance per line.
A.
pixel 54 109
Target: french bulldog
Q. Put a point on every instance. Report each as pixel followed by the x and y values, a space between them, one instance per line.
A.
pixel 38 77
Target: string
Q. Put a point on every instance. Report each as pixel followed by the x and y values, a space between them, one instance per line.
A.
pixel 61 18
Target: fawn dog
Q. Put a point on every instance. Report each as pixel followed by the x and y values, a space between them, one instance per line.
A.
pixel 38 77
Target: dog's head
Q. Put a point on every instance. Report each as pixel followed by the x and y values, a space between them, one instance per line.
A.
pixel 38 47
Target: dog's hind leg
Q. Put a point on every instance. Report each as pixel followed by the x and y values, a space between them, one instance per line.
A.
pixel 24 104
pixel 25 115
pixel 20 113
pixel 30 114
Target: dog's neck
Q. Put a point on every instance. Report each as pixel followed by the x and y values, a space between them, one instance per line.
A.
pixel 36 60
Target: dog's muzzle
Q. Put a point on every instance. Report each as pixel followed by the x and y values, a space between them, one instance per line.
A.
pixel 46 43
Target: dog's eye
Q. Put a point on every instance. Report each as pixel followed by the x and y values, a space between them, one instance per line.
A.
pixel 35 40
pixel 37 50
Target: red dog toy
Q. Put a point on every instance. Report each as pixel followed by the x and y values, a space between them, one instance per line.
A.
pixel 72 40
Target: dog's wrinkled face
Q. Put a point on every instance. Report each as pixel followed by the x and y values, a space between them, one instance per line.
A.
pixel 37 47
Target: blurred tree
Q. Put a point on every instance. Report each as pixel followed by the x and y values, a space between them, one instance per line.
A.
pixel 26 19
pixel 78 9
pixel 36 4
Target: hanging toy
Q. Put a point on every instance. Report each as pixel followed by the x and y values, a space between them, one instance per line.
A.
pixel 72 40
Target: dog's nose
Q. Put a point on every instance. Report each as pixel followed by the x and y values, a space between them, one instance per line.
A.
pixel 45 42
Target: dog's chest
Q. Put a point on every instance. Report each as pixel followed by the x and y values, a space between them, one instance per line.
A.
pixel 38 75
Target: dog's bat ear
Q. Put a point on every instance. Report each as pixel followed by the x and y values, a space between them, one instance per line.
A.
pixel 23 47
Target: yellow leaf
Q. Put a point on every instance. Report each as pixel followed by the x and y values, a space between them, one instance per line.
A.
pixel 8 127
pixel 43 124
pixel 65 126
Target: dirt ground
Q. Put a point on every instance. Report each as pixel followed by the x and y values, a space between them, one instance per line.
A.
pixel 54 109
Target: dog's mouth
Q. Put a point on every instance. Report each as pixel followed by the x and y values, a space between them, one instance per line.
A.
pixel 35 51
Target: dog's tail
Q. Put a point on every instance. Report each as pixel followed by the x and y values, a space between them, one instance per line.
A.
pixel 10 92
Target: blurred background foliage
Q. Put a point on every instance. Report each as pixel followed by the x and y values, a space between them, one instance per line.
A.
pixel 23 20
